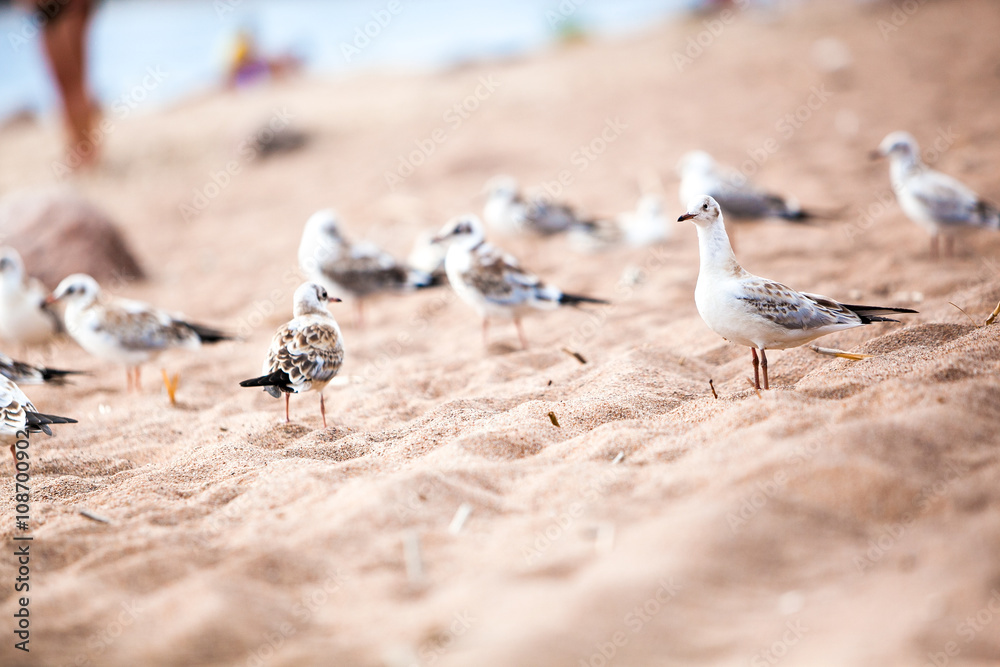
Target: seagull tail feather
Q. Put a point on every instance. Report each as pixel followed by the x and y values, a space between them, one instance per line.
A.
pixel 869 314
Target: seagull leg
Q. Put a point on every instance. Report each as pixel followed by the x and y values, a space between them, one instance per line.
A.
pixel 359 313
pixel 949 246
pixel 128 379
pixel 756 368
pixel 171 385
pixel 763 367
pixel 322 408
pixel 486 333
pixel 12 453
pixel 520 333
pixel 287 396
pixel 138 381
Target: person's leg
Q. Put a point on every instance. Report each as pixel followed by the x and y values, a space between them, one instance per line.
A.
pixel 65 45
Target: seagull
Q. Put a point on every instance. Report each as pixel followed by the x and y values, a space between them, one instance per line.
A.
pixel 739 198
pixel 427 256
pixel 937 202
pixel 125 331
pixel 306 352
pixel 359 269
pixel 25 373
pixel 24 319
pixel 509 213
pixel 646 225
pixel 18 417
pixel 492 281
pixel 762 314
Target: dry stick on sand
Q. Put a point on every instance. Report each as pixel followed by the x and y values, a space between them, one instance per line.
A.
pixel 965 313
pixel 711 385
pixel 552 418
pixel 829 351
pixel 463 512
pixel 575 355
pixel 993 316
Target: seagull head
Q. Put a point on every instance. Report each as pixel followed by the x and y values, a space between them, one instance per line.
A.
pixel 702 211
pixel 695 162
pixel 11 267
pixel 464 231
pixel 900 145
pixel 323 224
pixel 502 187
pixel 311 298
pixel 78 288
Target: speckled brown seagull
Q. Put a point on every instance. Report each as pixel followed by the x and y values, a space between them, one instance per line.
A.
pixel 492 281
pixel 18 416
pixel 125 331
pixel 762 314
pixel 306 352
pixel 360 269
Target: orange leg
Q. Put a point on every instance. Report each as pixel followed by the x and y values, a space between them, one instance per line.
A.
pixel 287 396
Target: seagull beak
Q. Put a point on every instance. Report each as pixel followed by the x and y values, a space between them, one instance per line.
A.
pixel 439 238
pixel 334 299
pixel 875 154
pixel 49 300
pixel 686 216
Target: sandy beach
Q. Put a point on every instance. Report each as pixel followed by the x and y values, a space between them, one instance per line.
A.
pixel 849 516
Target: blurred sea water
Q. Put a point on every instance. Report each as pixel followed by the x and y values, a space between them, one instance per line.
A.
pixel 174 48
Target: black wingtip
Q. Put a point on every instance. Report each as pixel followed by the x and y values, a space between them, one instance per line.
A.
pixel 869 314
pixel 277 379
pixel 36 421
pixel 208 334
pixel 575 300
pixel 57 376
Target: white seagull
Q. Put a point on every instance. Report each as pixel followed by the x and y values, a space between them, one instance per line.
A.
pixel 19 417
pixel 306 352
pixel 508 212
pixel 327 257
pixel 125 331
pixel 739 199
pixel 935 201
pixel 492 281
pixel 24 319
pixel 762 314
pixel 646 225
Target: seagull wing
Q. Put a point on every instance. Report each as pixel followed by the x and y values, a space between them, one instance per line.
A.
pixel 949 201
pixel 306 352
pixel 790 309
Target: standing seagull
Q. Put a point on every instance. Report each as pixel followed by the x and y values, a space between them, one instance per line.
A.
pixel 492 281
pixel 359 269
pixel 509 213
pixel 306 352
pixel 18 415
pixel 935 201
pixel 739 198
pixel 125 331
pixel 749 310
pixel 24 319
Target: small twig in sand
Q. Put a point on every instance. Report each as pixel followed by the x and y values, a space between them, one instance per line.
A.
pixel 853 356
pixel 619 458
pixel 965 313
pixel 754 387
pixel 711 385
pixel 575 355
pixel 457 521
pixel 552 418
pixel 93 517
pixel 411 555
pixel 993 316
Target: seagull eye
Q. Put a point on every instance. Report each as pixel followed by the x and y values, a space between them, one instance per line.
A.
pixel 704 207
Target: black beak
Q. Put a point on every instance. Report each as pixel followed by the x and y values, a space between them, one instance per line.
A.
pixel 334 299
pixel 686 216
pixel 875 154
